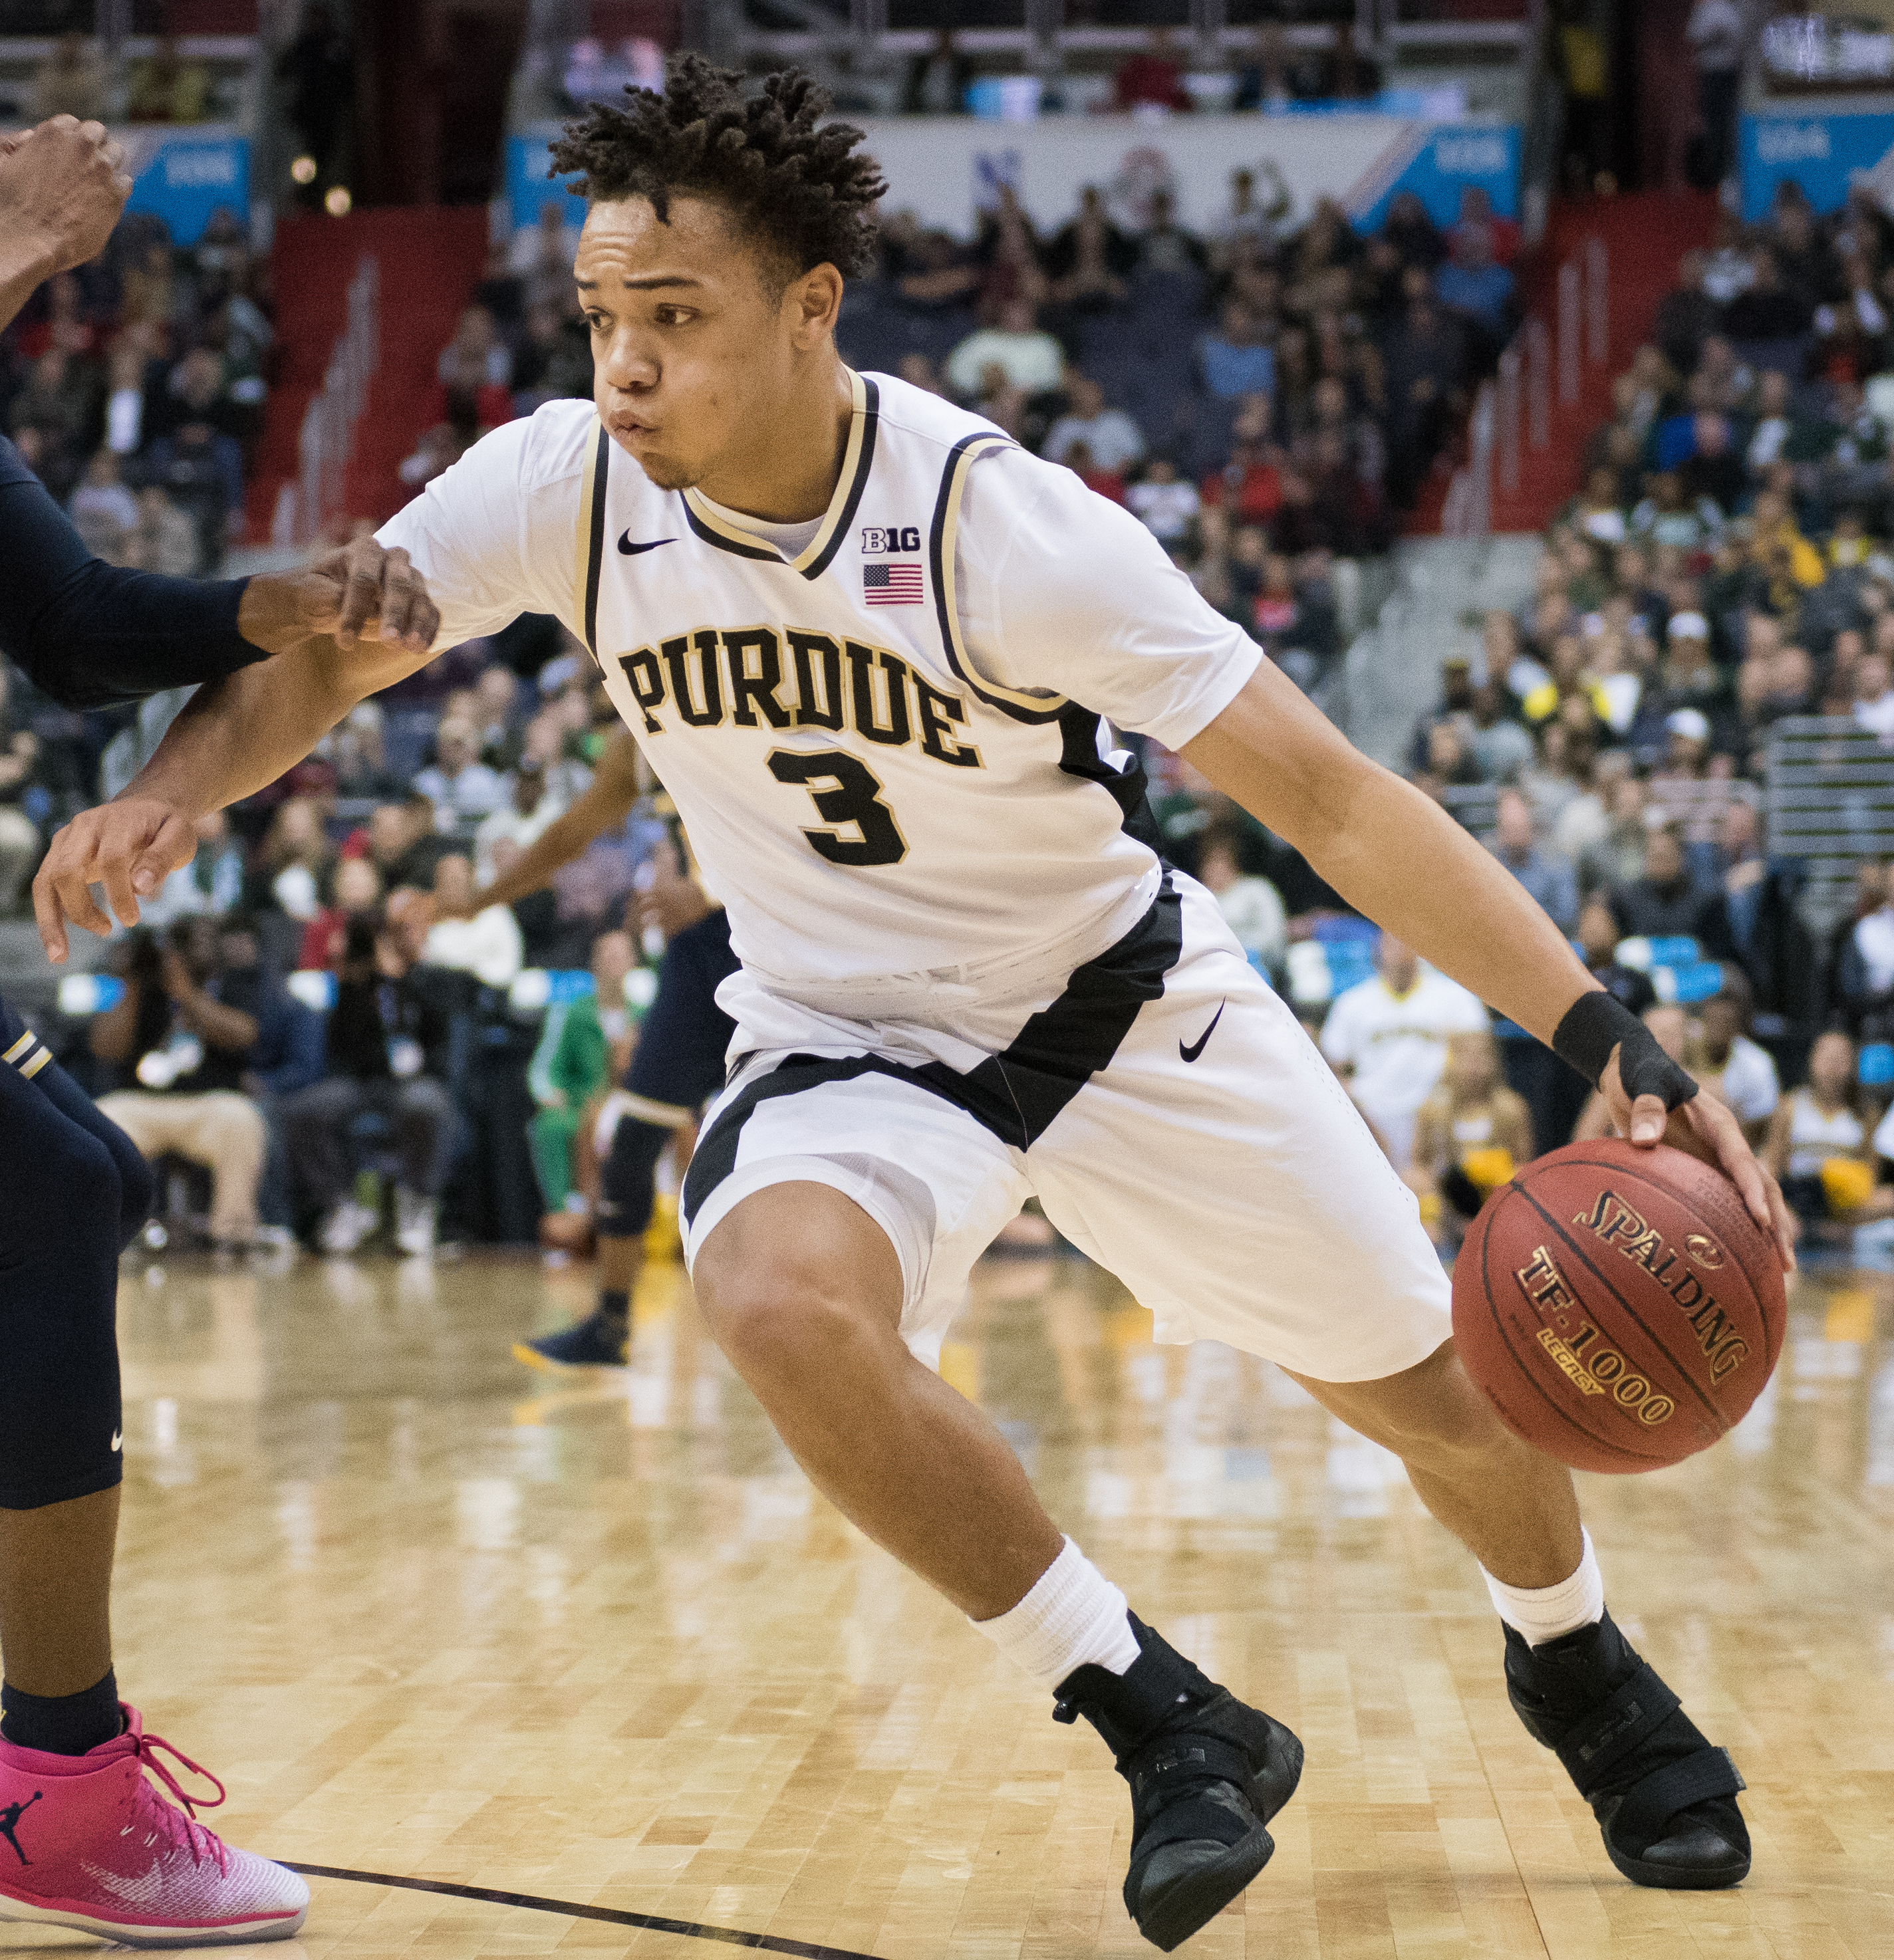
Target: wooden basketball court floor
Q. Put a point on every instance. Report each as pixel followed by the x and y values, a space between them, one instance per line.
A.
pixel 592 1640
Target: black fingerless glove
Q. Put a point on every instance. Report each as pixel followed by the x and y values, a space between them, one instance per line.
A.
pixel 1596 1023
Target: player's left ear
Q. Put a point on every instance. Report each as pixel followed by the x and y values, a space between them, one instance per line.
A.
pixel 811 304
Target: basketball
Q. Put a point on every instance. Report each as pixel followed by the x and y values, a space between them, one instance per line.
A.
pixel 1619 1307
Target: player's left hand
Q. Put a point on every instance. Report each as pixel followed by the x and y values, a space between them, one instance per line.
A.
pixel 62 186
pixel 1707 1129
pixel 130 846
pixel 362 591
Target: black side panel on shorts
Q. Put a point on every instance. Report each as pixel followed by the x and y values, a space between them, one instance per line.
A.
pixel 715 1156
pixel 1015 1094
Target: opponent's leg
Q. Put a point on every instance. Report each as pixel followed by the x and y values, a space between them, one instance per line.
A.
pixel 677 1066
pixel 1664 1797
pixel 628 1189
pixel 97 1847
pixel 803 1291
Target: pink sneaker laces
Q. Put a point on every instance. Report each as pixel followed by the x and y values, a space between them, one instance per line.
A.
pixel 166 1821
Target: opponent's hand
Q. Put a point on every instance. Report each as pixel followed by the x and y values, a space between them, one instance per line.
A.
pixel 360 591
pixel 62 186
pixel 130 846
pixel 675 900
pixel 1707 1129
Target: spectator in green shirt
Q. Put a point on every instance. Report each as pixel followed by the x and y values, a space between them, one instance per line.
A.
pixel 573 1063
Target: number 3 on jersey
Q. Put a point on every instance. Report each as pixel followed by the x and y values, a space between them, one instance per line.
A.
pixel 854 799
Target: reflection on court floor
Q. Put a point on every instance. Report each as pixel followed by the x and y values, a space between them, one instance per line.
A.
pixel 595 1640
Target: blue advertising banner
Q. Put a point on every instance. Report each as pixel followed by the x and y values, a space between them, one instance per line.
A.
pixel 1823 150
pixel 1438 163
pixel 183 177
pixel 527 186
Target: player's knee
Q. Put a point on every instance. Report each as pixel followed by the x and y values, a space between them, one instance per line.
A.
pixel 790 1317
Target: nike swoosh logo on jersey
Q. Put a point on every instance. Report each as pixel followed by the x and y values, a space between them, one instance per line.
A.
pixel 631 550
pixel 1197 1047
pixel 118 1439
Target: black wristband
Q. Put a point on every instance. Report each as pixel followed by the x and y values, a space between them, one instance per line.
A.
pixel 1596 1023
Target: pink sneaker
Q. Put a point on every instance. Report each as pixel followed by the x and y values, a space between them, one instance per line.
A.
pixel 86 1841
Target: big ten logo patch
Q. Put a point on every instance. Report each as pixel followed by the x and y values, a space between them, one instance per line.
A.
pixel 878 543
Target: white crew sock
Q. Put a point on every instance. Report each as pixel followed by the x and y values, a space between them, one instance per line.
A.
pixel 1545 1612
pixel 1073 1615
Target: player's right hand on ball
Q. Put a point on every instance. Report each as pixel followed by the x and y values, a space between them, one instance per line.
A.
pixel 62 186
pixel 130 846
pixel 1708 1129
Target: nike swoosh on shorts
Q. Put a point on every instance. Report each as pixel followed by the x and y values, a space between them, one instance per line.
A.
pixel 1197 1047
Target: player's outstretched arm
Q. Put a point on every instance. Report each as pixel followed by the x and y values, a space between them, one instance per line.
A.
pixel 232 737
pixel 1399 857
pixel 615 787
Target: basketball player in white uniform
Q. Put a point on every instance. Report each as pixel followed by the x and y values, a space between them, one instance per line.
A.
pixel 878 654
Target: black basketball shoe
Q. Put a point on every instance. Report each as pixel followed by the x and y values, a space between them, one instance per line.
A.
pixel 599 1341
pixel 1207 1773
pixel 1665 1797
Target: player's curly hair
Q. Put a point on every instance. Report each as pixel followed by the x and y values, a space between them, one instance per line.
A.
pixel 791 182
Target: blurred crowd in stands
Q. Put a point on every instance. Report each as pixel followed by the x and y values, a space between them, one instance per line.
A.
pixel 167 86
pixel 1726 566
pixel 135 386
pixel 297 1008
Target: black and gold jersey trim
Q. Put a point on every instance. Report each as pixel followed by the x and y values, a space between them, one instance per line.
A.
pixel 857 458
pixel 724 541
pixel 591 534
pixel 1033 709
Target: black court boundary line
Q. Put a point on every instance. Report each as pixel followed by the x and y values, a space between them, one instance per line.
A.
pixel 647 1922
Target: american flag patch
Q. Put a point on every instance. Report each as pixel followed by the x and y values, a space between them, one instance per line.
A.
pixel 891 584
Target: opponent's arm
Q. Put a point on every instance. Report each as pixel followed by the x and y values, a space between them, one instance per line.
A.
pixel 603 806
pixel 1400 859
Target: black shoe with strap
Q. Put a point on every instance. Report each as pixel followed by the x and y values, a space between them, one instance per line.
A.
pixel 1664 1796
pixel 1207 1773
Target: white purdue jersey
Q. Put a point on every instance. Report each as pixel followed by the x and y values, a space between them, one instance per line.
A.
pixel 892 751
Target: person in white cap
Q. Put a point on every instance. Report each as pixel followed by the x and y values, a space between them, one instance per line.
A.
pixel 1692 788
pixel 1691 677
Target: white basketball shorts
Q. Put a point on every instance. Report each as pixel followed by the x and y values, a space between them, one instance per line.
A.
pixel 1174 1121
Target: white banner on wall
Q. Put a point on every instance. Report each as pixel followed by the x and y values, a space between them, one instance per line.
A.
pixel 943 168
pixel 947 168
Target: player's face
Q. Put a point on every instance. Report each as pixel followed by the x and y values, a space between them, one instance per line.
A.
pixel 694 349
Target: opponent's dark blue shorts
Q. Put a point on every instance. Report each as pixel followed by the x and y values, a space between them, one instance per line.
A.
pixel 679 1062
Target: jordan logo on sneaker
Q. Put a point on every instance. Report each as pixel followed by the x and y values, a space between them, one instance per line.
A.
pixel 1197 1047
pixel 9 1822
